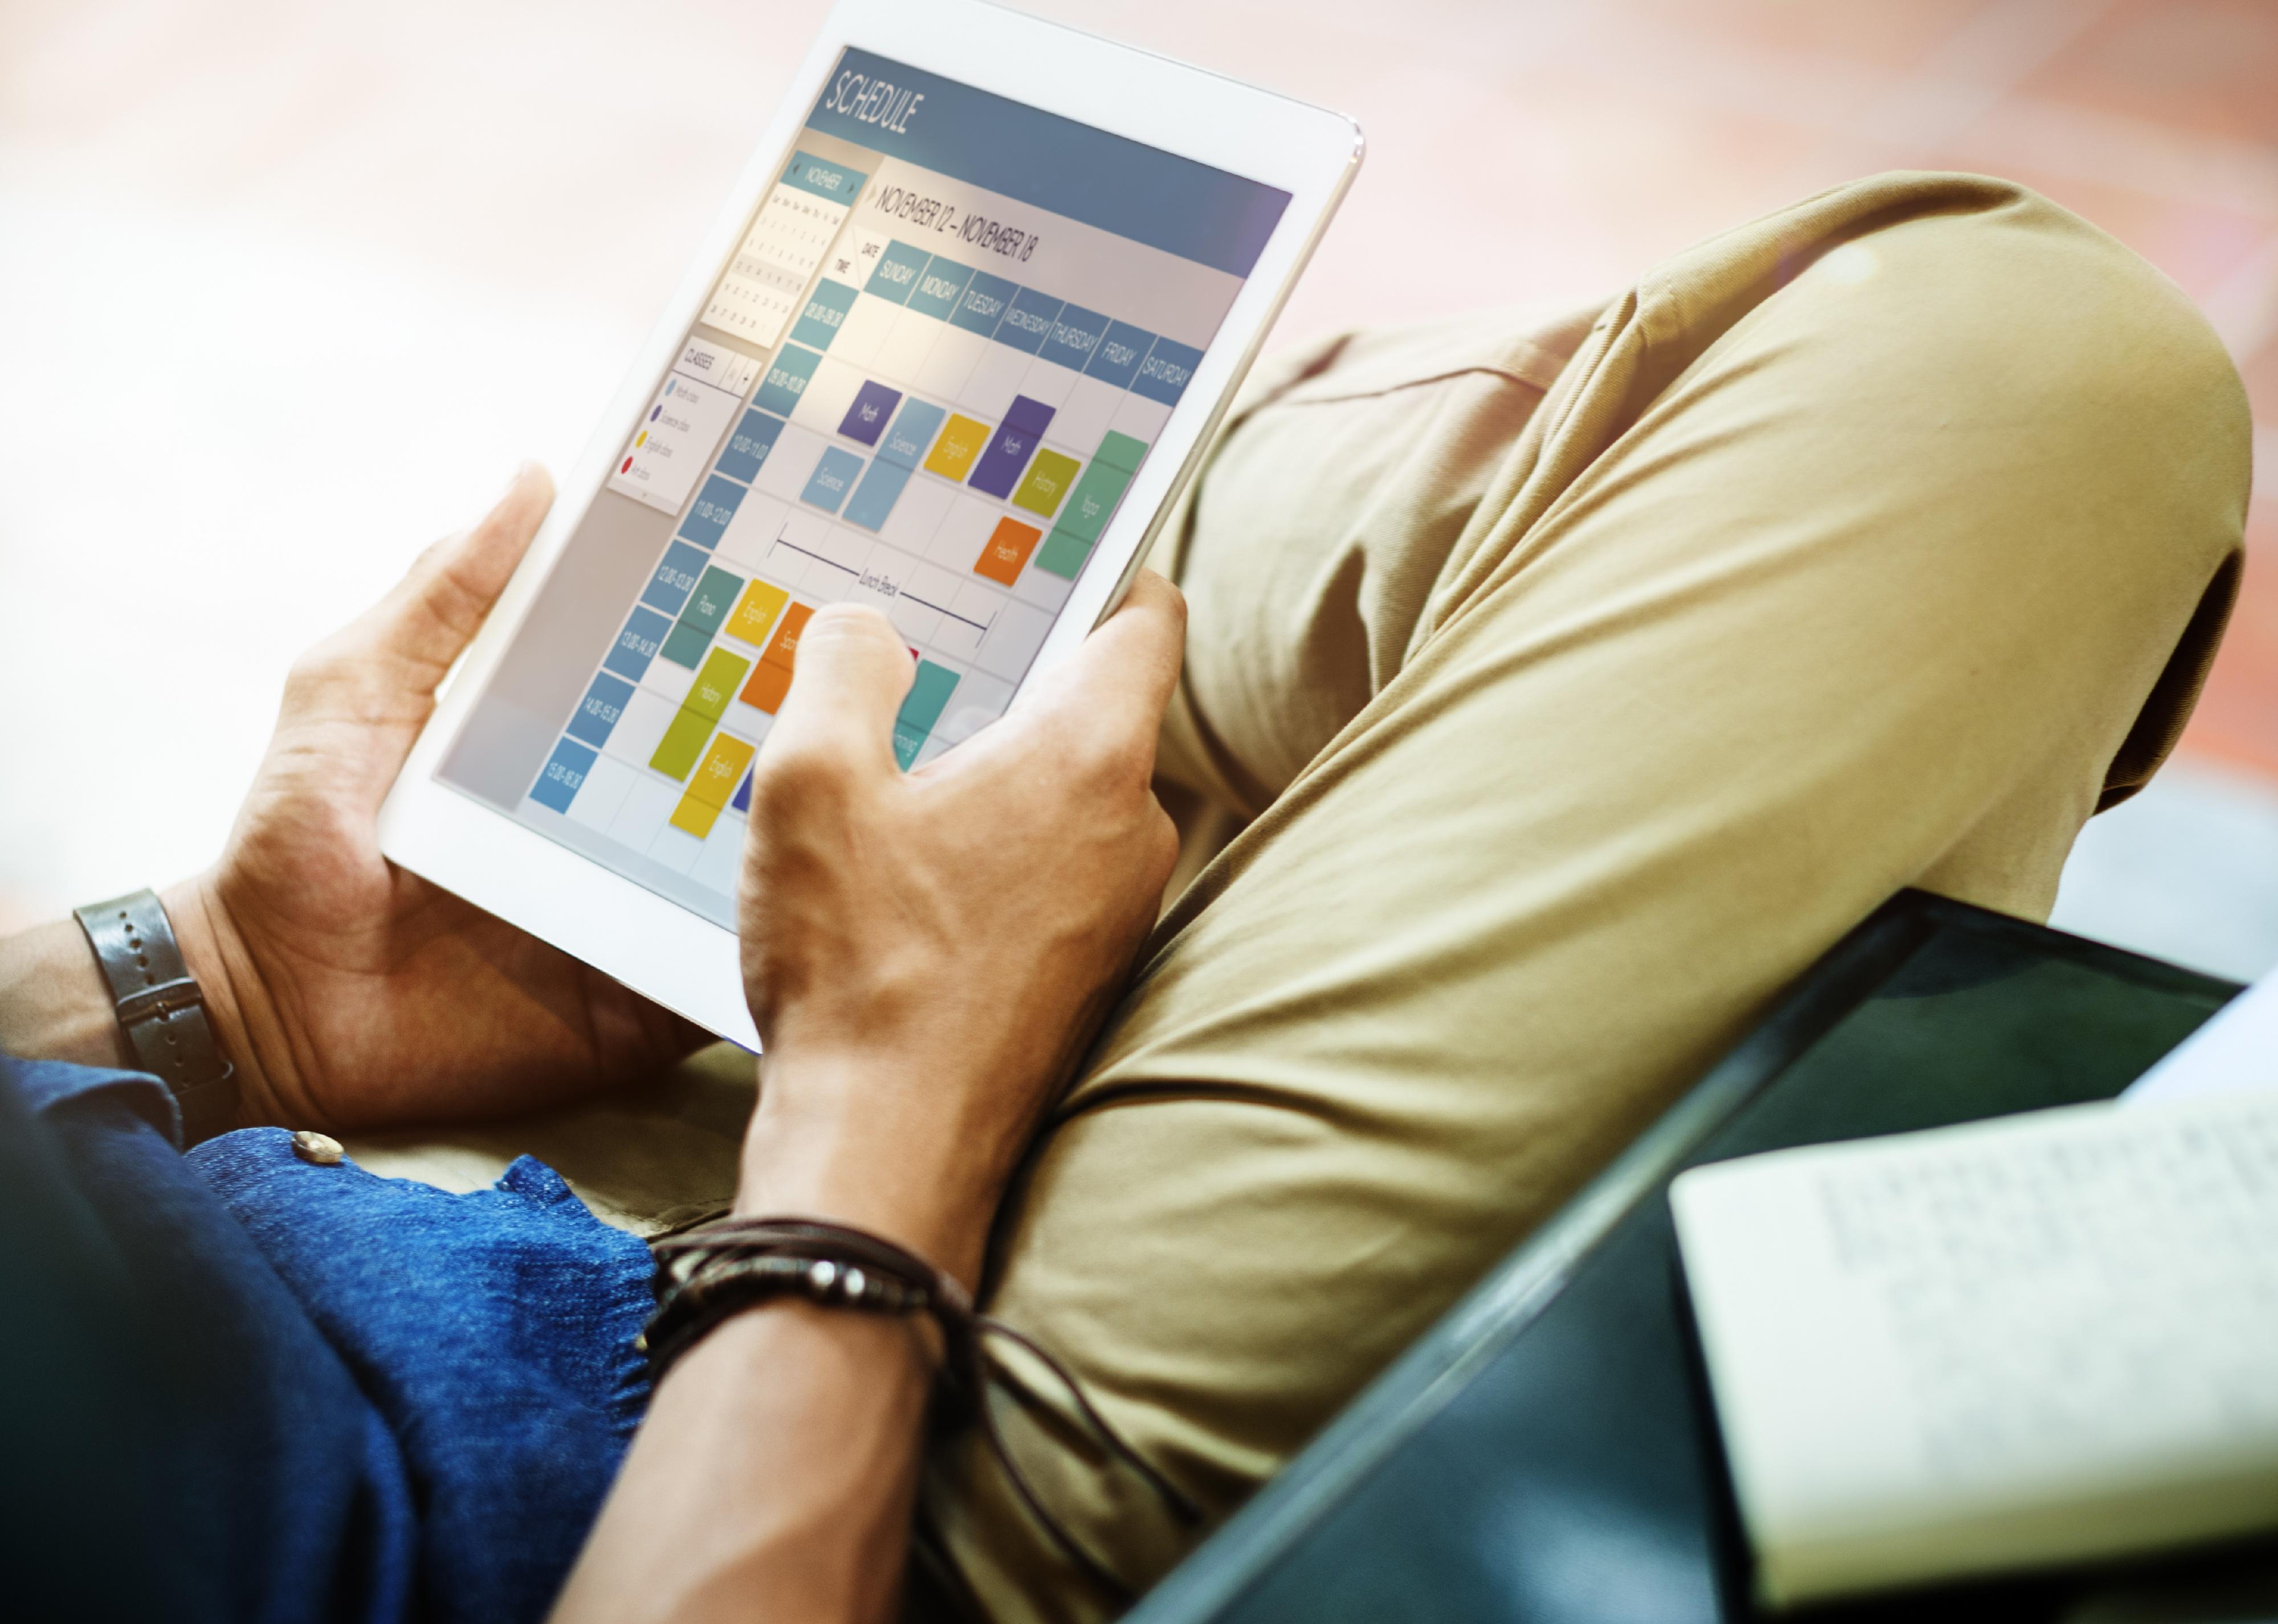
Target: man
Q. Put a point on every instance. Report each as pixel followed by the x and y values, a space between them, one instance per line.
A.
pixel 1571 687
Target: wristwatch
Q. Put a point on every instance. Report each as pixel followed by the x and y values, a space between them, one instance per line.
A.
pixel 162 1010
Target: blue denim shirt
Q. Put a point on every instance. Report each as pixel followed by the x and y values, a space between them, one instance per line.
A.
pixel 237 1386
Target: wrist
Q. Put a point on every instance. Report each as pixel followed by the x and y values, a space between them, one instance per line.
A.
pixel 903 1177
pixel 54 1004
pixel 230 985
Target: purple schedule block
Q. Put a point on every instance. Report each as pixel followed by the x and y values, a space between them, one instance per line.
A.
pixel 999 468
pixel 866 419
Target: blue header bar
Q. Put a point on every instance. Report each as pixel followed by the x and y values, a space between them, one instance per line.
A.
pixel 1108 181
pixel 835 181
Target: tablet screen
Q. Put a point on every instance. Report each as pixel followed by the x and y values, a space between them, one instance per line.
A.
pixel 952 331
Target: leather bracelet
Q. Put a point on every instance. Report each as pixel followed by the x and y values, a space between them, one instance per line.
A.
pixel 707 1274
pixel 161 1009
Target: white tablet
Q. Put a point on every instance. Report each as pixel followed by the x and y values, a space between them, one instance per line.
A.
pixel 956 342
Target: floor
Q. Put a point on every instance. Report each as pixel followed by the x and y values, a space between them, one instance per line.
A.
pixel 287 287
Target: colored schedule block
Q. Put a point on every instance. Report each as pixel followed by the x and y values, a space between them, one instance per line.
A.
pixel 913 429
pixel 675 577
pixel 874 498
pixel 960 446
pixel 1047 483
pixel 564 772
pixel 637 643
pixel 715 685
pixel 709 514
pixel 1163 376
pixel 833 477
pixel 983 304
pixel 1096 494
pixel 787 380
pixel 756 614
pixel 866 419
pixel 714 596
pixel 824 314
pixel 1027 320
pixel 748 445
pixel 940 285
pixel 684 645
pixel 1008 550
pixel 1122 451
pixel 1075 335
pixel 1117 359
pixel 684 742
pixel 897 276
pixel 928 694
pixel 1064 554
pixel 771 677
pixel 598 711
pixel 743 800
pixel 713 785
pixel 999 470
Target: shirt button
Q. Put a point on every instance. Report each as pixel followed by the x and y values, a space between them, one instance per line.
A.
pixel 321 1148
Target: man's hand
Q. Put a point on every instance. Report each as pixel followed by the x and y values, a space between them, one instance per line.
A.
pixel 348 991
pixel 928 954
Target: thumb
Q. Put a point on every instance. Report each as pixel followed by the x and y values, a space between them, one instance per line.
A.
pixel 433 612
pixel 850 675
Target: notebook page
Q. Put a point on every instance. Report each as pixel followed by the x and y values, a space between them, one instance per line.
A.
pixel 2012 1342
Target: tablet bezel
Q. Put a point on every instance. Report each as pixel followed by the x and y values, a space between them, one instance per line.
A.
pixel 656 946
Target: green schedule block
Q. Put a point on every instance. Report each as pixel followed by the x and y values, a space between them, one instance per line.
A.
pixel 930 692
pixel 1063 554
pixel 684 645
pixel 683 742
pixel 1096 495
pixel 709 603
pixel 1120 451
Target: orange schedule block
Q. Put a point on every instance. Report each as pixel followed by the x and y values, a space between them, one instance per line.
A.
pixel 962 440
pixel 771 677
pixel 1007 552
pixel 768 685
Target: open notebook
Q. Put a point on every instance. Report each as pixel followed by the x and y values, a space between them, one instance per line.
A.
pixel 2016 1343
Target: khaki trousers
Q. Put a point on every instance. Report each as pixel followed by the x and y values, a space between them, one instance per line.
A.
pixel 1573 686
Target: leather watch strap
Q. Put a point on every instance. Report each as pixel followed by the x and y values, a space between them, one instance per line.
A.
pixel 162 1010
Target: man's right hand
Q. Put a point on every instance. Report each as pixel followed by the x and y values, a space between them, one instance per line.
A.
pixel 927 954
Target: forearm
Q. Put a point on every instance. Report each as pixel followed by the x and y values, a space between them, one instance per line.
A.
pixel 772 1479
pixel 53 1002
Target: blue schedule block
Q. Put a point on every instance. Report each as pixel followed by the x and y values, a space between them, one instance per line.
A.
pixel 1163 376
pixel 940 285
pixel 743 799
pixel 907 742
pixel 913 432
pixel 637 643
pixel 787 380
pixel 676 577
pixel 897 276
pixel 833 477
pixel 598 711
pixel 983 304
pixel 874 498
pixel 866 419
pixel 1117 359
pixel 563 774
pixel 825 313
pixel 709 514
pixel 927 697
pixel 748 447
pixel 1075 335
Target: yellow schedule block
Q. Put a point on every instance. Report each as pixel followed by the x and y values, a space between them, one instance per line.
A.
pixel 961 441
pixel 714 783
pixel 1047 483
pixel 755 613
pixel 715 685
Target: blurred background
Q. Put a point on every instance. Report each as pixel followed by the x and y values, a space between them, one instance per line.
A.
pixel 287 289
